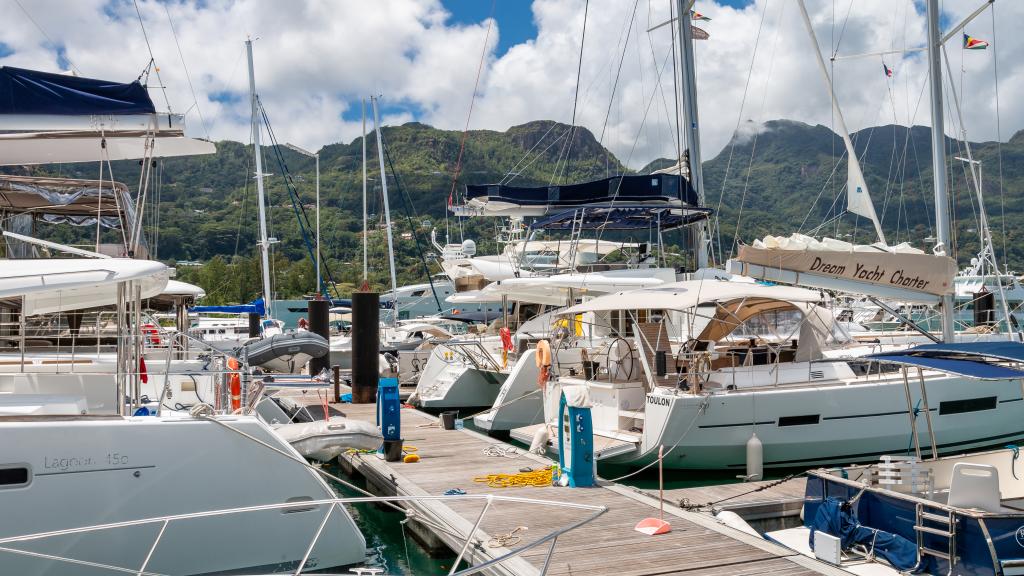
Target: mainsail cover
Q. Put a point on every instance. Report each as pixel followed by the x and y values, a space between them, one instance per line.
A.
pixel 653 189
pixel 884 271
pixel 32 92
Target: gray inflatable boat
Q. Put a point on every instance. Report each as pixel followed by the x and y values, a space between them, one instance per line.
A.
pixel 287 353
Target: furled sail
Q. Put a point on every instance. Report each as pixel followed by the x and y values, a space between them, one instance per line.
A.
pixel 858 199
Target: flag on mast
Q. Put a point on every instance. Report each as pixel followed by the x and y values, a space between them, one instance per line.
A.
pixel 888 71
pixel 972 43
pixel 698 16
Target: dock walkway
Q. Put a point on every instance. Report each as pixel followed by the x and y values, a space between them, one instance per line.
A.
pixel 697 545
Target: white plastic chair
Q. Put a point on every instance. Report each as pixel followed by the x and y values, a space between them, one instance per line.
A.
pixel 974 486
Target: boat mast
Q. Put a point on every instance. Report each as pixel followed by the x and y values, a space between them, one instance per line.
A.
pixel 365 237
pixel 264 242
pixel 387 212
pixel 942 224
pixel 858 197
pixel 688 87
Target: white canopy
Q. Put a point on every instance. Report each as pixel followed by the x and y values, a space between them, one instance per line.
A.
pixel 17 150
pixel 179 288
pixel 690 294
pixel 71 284
pixel 426 328
pixel 555 289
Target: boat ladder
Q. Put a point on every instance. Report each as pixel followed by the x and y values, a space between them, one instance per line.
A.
pixel 575 235
pixel 941 526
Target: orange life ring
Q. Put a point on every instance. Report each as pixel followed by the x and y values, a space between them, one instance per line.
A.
pixel 235 384
pixel 543 360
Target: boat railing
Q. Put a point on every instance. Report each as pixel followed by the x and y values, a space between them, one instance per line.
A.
pixel 474 353
pixel 474 537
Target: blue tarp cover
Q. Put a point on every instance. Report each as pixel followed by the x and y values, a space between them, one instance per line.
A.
pixel 835 517
pixel 31 92
pixel 961 358
pixel 621 218
pixel 1005 350
pixel 967 368
pixel 256 307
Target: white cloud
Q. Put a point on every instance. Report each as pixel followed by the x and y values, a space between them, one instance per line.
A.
pixel 315 59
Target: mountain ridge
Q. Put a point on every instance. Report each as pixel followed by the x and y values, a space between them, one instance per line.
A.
pixel 774 178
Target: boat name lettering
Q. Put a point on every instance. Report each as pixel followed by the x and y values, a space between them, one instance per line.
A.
pixel 66 462
pixel 657 400
pixel 862 273
pixel 820 265
pixel 915 282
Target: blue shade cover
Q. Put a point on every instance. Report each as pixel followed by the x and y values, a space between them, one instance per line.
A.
pixel 968 368
pixel 256 307
pixel 1005 350
pixel 31 92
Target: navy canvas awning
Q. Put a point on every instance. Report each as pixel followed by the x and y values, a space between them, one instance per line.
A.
pixel 31 92
pixel 622 218
pixel 969 359
pixel 666 188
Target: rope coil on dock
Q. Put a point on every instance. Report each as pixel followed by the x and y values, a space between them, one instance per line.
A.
pixel 536 478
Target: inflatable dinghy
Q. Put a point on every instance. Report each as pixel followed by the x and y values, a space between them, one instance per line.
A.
pixel 288 352
pixel 325 440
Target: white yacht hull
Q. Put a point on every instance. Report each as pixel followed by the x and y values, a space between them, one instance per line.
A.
pixel 519 402
pixel 85 471
pixel 447 384
pixel 807 425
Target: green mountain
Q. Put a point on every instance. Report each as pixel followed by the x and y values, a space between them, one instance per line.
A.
pixel 787 177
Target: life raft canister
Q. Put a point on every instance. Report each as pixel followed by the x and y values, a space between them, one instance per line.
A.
pixel 151 335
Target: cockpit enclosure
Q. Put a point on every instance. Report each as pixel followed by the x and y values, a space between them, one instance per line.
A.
pixel 696 334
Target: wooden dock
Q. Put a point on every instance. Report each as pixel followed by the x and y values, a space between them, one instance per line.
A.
pixel 698 544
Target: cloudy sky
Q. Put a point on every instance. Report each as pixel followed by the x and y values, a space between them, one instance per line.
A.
pixel 315 60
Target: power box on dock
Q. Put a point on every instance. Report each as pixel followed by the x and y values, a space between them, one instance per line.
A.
pixel 389 406
pixel 575 437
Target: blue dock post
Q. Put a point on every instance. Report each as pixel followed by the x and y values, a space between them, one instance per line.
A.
pixel 575 444
pixel 389 418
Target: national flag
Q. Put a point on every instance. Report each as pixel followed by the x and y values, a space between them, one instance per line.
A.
pixel 888 71
pixel 698 16
pixel 972 43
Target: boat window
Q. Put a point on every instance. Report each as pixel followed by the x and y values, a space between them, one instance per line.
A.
pixel 14 475
pixel 969 405
pixel 417 293
pixel 799 420
pixel 293 510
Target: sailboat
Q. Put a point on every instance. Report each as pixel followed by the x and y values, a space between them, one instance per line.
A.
pixel 79 450
pixel 274 349
pixel 710 367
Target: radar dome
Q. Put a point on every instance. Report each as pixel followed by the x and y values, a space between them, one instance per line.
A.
pixel 468 247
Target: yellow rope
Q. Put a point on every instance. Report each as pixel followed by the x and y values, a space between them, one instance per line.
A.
pixel 537 478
